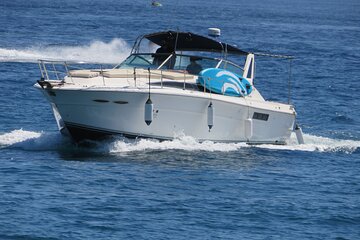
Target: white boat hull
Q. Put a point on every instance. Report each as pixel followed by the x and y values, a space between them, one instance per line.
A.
pixel 91 113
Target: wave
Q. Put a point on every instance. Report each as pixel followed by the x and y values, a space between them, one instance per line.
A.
pixel 186 143
pixel 38 141
pixel 33 141
pixel 111 52
pixel 319 144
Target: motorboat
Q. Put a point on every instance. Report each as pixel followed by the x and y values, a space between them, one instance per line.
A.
pixel 187 86
pixel 156 4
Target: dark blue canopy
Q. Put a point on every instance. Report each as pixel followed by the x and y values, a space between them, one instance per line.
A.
pixel 187 41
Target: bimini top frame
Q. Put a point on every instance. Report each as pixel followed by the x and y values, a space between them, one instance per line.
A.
pixel 187 41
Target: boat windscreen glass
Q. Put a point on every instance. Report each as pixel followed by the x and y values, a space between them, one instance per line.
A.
pixel 148 60
pixel 231 67
pixel 192 64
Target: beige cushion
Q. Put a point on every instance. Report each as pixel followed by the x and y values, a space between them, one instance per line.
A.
pixel 129 73
pixel 177 75
pixel 118 73
pixel 83 73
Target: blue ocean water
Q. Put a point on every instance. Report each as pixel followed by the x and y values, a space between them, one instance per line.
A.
pixel 51 188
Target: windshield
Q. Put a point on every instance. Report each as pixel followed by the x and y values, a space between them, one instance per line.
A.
pixel 152 61
pixel 231 67
pixel 191 64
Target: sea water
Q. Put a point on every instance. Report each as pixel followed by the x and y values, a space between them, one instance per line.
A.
pixel 51 188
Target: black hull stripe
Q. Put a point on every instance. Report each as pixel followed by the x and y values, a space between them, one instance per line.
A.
pixel 80 132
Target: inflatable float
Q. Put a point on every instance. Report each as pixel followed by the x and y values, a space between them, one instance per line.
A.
pixel 224 82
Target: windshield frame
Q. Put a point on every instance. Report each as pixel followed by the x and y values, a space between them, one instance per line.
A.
pixel 220 61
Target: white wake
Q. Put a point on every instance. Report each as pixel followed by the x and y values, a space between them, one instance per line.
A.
pixel 112 52
pixel 32 141
pixel 182 143
pixel 319 144
pixel 29 140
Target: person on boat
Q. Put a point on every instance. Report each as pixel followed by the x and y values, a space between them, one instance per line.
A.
pixel 194 67
pixel 162 53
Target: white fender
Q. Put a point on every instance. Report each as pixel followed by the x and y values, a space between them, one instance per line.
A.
pixel 149 107
pixel 210 115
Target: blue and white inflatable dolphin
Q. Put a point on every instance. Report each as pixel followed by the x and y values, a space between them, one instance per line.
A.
pixel 221 81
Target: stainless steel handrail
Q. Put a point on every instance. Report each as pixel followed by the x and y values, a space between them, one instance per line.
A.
pixel 52 70
pixel 48 67
pixel 45 72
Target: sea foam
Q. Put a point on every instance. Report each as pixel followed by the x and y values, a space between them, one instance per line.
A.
pixel 29 140
pixel 111 52
pixel 319 144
